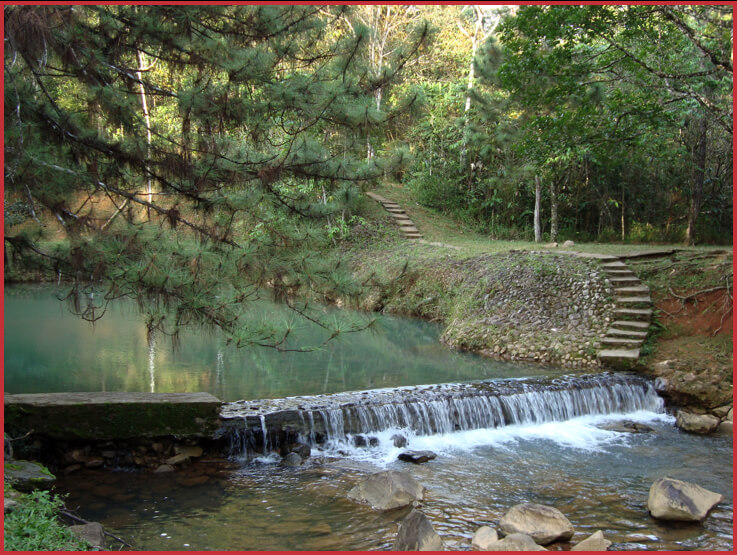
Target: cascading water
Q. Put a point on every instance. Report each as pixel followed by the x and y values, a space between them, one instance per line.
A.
pixel 438 409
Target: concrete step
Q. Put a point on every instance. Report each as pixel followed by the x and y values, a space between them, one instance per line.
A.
pixel 396 210
pixel 388 204
pixel 615 355
pixel 634 334
pixel 406 224
pixel 621 341
pixel 633 300
pixel 631 324
pixel 620 273
pixel 634 313
pixel 401 218
pixel 615 265
pixel 408 230
pixel 624 279
pixel 632 289
pixel 413 236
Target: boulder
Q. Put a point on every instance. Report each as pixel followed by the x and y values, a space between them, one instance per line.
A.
pixel 542 523
pixel 627 426
pixel 416 457
pixel 483 537
pixel 164 468
pixel 568 243
pixel 696 423
pixel 671 499
pixel 515 542
pixel 10 505
pixel 92 533
pixel 387 490
pixel 417 534
pixel 595 542
pixel 178 459
pixel 28 475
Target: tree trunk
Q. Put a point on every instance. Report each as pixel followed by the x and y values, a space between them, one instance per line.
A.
pixel 697 192
pixel 553 211
pixel 538 235
pixel 622 212
pixel 147 120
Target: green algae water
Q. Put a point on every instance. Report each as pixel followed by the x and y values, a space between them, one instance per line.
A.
pixel 48 349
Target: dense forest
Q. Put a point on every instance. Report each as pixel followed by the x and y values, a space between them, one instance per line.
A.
pixel 191 155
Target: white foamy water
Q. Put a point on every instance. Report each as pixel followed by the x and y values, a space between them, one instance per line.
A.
pixel 581 433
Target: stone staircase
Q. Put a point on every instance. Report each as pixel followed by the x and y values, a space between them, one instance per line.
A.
pixel 406 226
pixel 622 342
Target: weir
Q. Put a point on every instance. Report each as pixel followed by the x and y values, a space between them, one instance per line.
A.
pixel 264 425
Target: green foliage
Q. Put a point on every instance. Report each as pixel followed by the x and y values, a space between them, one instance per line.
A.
pixel 33 525
pixel 189 156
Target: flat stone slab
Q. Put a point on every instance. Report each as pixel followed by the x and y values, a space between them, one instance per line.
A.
pixel 631 324
pixel 632 289
pixel 615 332
pixel 634 312
pixel 105 415
pixel 621 341
pixel 624 279
pixel 624 300
pixel 619 354
pixel 649 254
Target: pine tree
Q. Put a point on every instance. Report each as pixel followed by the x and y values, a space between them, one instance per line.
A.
pixel 188 156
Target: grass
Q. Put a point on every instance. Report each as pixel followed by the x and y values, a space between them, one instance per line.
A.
pixel 33 525
pixel 437 227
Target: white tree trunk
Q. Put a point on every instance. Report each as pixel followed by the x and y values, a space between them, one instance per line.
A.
pixel 538 234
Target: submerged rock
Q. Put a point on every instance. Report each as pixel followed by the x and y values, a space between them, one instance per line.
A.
pixel 292 459
pixel 515 542
pixel 696 423
pixel 417 534
pixel 595 542
pixel 627 426
pixel 542 523
pixel 417 457
pixel 671 499
pixel 387 490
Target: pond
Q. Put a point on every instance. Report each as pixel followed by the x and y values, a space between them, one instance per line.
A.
pixel 598 478
pixel 48 349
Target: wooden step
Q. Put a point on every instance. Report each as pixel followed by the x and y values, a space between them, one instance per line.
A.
pixel 631 324
pixel 621 341
pixel 633 300
pixel 616 332
pixel 613 355
pixel 632 289
pixel 636 313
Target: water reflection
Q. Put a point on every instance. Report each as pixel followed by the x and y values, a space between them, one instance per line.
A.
pixel 48 349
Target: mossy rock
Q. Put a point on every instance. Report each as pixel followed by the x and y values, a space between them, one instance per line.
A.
pixel 28 475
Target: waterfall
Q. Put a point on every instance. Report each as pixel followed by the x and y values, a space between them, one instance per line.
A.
pixel 443 409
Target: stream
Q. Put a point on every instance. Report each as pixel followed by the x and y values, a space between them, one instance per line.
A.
pixel 598 478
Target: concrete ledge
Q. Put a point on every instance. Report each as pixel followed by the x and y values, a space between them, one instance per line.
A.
pixel 112 416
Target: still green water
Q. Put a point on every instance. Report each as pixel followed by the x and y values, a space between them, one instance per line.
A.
pixel 48 349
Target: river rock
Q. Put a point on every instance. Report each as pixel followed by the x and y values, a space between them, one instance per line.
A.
pixel 417 457
pixel 515 542
pixel 399 440
pixel 696 423
pixel 671 499
pixel 10 505
pixel 483 537
pixel 177 459
pixel 192 451
pixel 301 449
pixel 92 533
pixel 595 542
pixel 28 475
pixel 417 534
pixel 164 468
pixel 627 426
pixel 387 490
pixel 292 459
pixel 542 523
